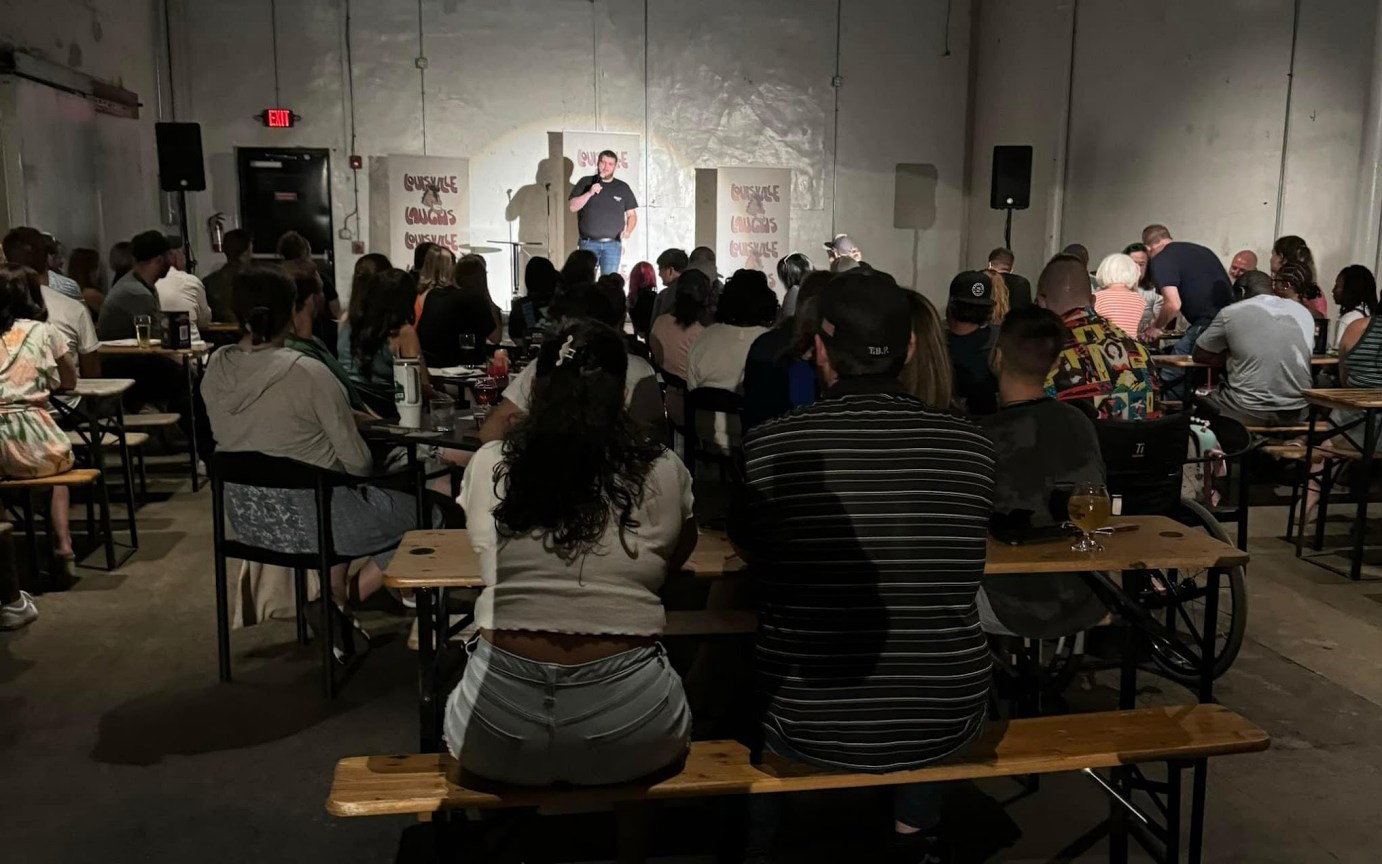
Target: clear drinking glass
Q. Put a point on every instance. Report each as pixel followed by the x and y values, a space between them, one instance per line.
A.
pixel 143 330
pixel 1089 509
pixel 443 409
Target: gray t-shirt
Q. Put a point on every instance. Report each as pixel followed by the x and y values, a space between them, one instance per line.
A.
pixel 128 297
pixel 1269 340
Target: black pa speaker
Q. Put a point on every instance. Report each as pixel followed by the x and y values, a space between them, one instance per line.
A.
pixel 180 166
pixel 1012 177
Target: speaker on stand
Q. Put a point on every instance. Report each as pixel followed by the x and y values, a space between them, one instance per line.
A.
pixel 1011 188
pixel 181 169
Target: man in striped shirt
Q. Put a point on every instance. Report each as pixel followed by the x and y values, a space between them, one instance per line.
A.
pixel 864 520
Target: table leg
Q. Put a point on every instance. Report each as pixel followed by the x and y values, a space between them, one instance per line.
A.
pixel 187 364
pixel 1197 801
pixel 1208 637
pixel 427 672
pixel 419 469
pixel 1304 480
pixel 1360 522
pixel 128 466
pixel 1127 679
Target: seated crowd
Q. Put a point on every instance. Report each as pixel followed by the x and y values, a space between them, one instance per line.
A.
pixel 578 506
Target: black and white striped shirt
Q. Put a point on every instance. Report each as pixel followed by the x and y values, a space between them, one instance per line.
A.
pixel 864 521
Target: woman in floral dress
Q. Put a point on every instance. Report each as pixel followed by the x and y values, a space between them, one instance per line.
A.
pixel 34 361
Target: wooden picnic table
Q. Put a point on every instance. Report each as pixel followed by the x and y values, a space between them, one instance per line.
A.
pixel 1360 406
pixel 122 348
pixel 1185 361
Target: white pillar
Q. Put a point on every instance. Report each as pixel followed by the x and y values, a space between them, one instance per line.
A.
pixel 1367 215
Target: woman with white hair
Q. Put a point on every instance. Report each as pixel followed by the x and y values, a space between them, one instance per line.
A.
pixel 1118 299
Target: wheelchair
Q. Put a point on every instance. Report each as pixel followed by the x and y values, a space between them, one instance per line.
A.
pixel 1144 462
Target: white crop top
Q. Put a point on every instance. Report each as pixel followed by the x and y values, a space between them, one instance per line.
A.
pixel 611 590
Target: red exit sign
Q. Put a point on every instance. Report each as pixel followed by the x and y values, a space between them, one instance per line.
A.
pixel 278 118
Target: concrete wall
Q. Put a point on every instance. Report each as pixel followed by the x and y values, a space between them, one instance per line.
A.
pixel 118 41
pixel 727 84
pixel 1177 115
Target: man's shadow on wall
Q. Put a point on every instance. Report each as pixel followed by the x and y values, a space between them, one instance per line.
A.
pixel 533 210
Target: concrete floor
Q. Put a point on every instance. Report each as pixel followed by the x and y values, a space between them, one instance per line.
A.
pixel 118 743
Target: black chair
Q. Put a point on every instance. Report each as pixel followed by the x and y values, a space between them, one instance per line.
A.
pixel 673 383
pixel 272 472
pixel 709 400
pixel 1143 461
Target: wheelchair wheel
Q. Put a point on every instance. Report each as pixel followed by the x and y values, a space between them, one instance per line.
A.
pixel 1181 606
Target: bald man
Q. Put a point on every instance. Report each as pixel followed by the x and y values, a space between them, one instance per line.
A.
pixel 1100 365
pixel 1243 262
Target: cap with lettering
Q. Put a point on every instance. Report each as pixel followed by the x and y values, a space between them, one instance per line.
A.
pixel 864 314
pixel 973 287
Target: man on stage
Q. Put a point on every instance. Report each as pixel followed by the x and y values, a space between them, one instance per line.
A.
pixel 606 212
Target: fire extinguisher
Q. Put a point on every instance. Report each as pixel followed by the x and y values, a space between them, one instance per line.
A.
pixel 216 227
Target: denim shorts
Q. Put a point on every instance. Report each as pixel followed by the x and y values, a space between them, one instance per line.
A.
pixel 518 721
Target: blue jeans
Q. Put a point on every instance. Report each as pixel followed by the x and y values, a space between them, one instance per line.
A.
pixel 1185 345
pixel 608 252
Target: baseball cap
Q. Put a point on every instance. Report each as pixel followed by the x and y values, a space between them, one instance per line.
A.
pixel 841 245
pixel 973 287
pixel 148 245
pixel 863 313
pixel 174 241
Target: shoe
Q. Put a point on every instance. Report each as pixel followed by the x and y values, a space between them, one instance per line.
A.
pixel 342 630
pixel 919 848
pixel 20 613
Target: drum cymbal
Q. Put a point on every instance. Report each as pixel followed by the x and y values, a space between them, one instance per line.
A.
pixel 480 250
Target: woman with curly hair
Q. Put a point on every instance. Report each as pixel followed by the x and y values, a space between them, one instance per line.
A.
pixel 576 519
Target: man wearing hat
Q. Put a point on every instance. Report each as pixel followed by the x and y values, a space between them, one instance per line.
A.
pixel 971 341
pixel 134 294
pixel 864 517
pixel 841 246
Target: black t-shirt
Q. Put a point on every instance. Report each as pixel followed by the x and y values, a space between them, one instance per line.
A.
pixel 1198 276
pixel 1043 446
pixel 974 379
pixel 447 314
pixel 1019 291
pixel 602 217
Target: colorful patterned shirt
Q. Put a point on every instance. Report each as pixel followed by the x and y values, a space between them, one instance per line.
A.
pixel 1106 367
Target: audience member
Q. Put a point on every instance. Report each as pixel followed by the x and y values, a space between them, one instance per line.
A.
pixel 1293 250
pixel 265 398
pixel 1264 341
pixel 1002 261
pixel 1079 251
pixel 438 271
pixel 642 297
pixel 791 271
pixel 300 337
pixel 702 258
pixel 382 330
pixel 970 341
pixel 69 318
pixel 36 363
pixel 180 291
pixel 1001 302
pixel 235 245
pixel 642 395
pixel 51 272
pixel 673 334
pixel 670 265
pixel 420 256
pixel 777 375
pixel 1292 281
pixel 1101 367
pixel 1042 446
pixel 1355 293
pixel 1242 262
pixel 134 294
pixel 869 647
pixel 86 269
pixel 366 266
pixel 1192 283
pixel 1118 299
pixel 1150 296
pixel 844 264
pixel 529 312
pixel 121 260
pixel 841 246
pixel 576 519
pixel 746 310
pixel 292 246
pixel 580 268
pixel 612 285
pixel 927 374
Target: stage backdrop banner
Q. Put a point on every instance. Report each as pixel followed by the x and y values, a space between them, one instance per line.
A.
pixel 574 155
pixel 744 214
pixel 426 200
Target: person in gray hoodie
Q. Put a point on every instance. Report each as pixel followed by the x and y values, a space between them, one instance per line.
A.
pixel 262 397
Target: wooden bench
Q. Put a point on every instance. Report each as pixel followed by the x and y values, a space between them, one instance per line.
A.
pixel 1178 735
pixel 151 421
pixel 1298 429
pixel 76 477
pixel 1294 452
